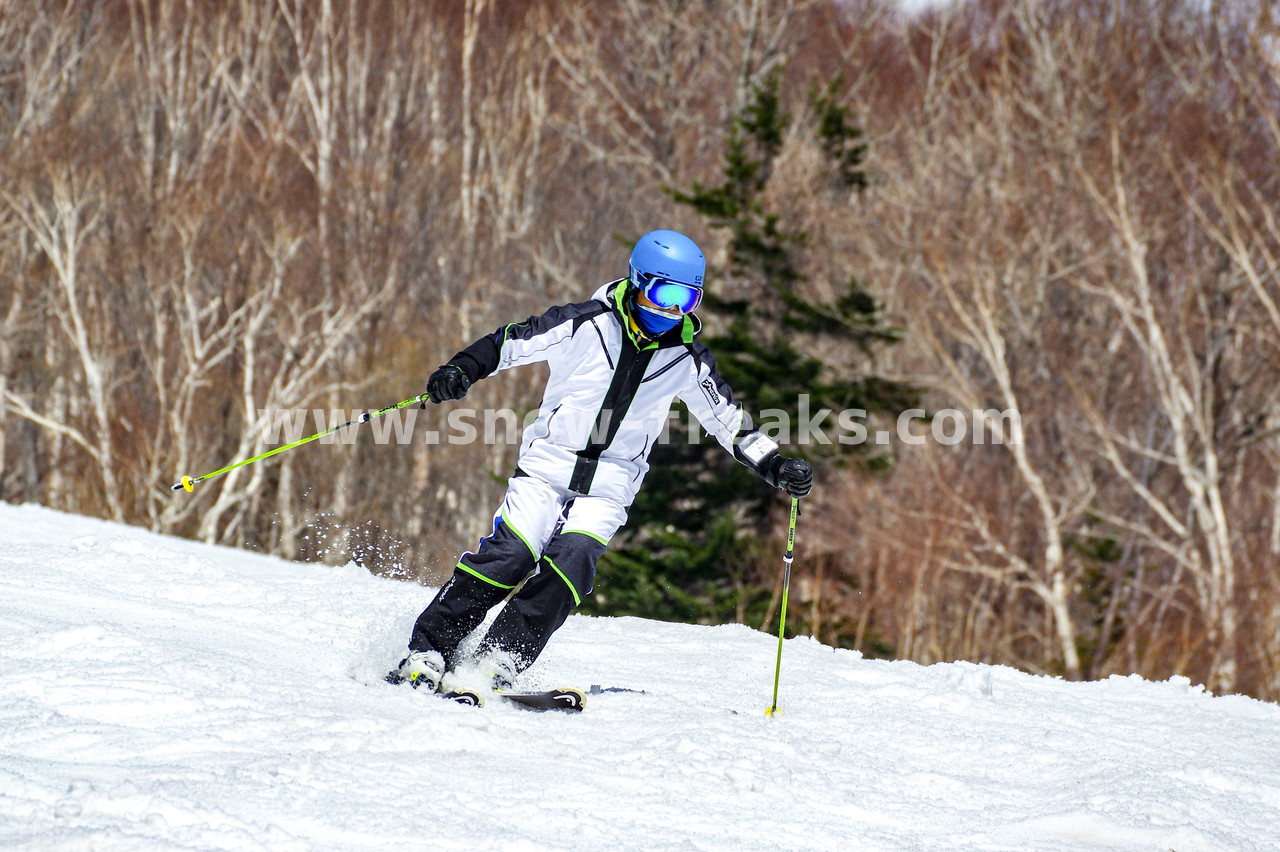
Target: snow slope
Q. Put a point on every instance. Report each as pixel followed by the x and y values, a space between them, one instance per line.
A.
pixel 160 694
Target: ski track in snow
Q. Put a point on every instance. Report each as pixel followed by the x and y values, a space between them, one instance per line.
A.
pixel 161 694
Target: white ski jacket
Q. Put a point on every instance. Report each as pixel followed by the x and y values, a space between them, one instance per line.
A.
pixel 608 397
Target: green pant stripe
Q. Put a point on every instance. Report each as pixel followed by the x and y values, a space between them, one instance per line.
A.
pixel 474 573
pixel 577 600
pixel 587 534
pixel 520 536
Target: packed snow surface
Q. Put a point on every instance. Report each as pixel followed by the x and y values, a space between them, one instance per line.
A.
pixel 161 694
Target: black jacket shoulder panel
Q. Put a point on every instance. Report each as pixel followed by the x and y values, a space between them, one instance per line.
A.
pixel 481 358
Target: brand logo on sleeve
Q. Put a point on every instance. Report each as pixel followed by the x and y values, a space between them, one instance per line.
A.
pixel 710 387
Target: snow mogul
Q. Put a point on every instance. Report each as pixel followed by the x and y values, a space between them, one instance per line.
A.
pixel 617 361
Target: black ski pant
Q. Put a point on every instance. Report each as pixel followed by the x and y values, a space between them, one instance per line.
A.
pixel 541 584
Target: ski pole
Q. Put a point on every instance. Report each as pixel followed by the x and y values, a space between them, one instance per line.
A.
pixel 786 588
pixel 189 482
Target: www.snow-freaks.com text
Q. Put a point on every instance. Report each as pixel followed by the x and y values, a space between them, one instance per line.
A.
pixel 804 426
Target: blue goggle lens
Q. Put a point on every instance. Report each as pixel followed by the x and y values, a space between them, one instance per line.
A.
pixel 666 293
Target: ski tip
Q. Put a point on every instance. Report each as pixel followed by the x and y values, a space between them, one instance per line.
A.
pixel 597 689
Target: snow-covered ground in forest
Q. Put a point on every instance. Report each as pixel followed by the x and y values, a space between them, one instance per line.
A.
pixel 161 694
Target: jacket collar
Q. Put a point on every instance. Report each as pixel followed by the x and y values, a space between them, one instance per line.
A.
pixel 614 295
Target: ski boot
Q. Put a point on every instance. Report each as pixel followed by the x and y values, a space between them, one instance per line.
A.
pixel 421 670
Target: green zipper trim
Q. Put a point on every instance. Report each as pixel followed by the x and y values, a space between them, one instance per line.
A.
pixel 686 328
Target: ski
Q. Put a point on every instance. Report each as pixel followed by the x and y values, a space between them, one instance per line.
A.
pixel 564 700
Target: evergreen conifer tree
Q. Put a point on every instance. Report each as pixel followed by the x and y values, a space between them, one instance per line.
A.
pixel 704 516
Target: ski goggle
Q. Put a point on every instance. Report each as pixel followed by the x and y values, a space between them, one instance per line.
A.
pixel 670 295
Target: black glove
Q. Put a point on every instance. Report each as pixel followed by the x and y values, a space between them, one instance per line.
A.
pixel 795 476
pixel 449 382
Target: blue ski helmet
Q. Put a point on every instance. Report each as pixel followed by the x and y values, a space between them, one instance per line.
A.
pixel 667 268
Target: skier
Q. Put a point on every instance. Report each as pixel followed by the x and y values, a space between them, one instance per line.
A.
pixel 617 361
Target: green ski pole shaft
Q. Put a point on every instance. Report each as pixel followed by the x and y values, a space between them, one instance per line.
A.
pixel 189 482
pixel 786 590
